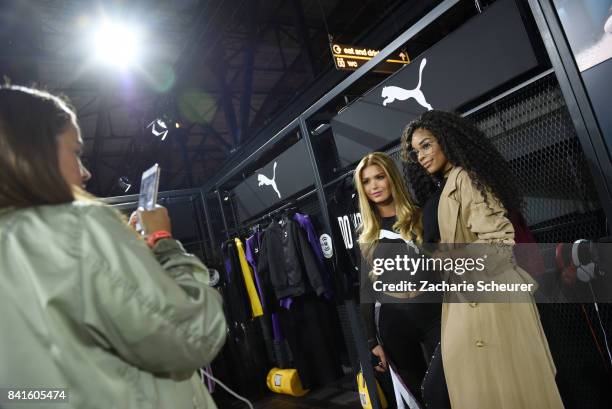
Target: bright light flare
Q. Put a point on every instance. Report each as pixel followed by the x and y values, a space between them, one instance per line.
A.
pixel 117 44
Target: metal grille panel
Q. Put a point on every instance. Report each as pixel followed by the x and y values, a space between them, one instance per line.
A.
pixel 532 128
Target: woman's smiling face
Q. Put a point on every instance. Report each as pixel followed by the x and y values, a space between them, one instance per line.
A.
pixel 376 184
pixel 429 153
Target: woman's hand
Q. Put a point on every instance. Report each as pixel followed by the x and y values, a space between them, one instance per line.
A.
pixel 380 354
pixel 152 220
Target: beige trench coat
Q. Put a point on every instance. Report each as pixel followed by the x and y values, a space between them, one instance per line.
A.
pixel 495 356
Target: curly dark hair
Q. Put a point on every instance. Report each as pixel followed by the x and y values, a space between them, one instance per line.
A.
pixel 466 146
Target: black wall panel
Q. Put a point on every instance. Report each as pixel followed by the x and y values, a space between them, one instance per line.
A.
pixel 463 66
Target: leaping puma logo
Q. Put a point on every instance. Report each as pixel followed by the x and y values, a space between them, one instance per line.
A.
pixel 392 93
pixel 264 180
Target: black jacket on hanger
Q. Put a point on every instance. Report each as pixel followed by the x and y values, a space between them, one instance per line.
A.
pixel 286 262
pixel 345 220
pixel 234 289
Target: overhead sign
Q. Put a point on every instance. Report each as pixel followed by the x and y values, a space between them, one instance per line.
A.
pixel 486 52
pixel 349 58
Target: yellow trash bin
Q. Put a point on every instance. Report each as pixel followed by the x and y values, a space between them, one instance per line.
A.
pixel 285 381
pixel 364 396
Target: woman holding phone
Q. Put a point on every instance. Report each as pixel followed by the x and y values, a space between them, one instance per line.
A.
pixel 87 305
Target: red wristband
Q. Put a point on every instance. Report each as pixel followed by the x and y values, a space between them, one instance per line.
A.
pixel 158 235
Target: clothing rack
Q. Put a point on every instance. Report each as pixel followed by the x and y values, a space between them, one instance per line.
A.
pixel 288 204
pixel 251 222
pixel 339 178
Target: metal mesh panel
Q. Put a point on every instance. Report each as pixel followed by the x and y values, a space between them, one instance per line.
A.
pixel 581 373
pixel 532 128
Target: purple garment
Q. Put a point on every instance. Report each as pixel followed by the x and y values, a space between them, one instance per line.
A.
pixel 252 247
pixel 209 383
pixel 306 224
pixel 286 303
pixel 227 263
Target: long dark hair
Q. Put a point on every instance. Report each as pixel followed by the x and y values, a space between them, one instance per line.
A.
pixel 30 123
pixel 466 146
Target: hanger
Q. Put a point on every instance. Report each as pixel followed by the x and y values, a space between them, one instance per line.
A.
pixel 290 211
pixel 254 229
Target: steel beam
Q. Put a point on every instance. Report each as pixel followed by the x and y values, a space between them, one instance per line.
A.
pixel 218 137
pixel 114 155
pixel 223 218
pixel 328 81
pixel 226 100
pixel 134 198
pixel 289 35
pixel 211 234
pixel 249 60
pixel 280 49
pixel 356 328
pixel 115 105
pixel 196 37
pixel 382 55
pixel 304 37
pixel 100 133
pixel 182 141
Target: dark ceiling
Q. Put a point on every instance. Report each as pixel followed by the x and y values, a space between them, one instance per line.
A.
pixel 223 70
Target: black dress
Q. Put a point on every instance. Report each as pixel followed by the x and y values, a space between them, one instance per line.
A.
pixel 434 388
pixel 431 228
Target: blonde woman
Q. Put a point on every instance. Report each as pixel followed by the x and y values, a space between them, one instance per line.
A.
pixel 409 323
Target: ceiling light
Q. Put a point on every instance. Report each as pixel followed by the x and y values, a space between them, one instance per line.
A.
pixel 159 128
pixel 116 44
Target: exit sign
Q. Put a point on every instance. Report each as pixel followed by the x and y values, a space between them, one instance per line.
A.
pixel 349 58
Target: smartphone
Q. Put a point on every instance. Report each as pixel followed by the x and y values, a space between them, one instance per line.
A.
pixel 149 185
pixel 148 188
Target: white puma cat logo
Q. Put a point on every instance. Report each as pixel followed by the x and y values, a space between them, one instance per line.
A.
pixel 264 180
pixel 392 93
pixel 388 234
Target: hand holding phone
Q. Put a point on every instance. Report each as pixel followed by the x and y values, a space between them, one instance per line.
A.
pixel 154 220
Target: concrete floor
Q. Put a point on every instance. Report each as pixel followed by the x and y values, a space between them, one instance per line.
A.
pixel 340 395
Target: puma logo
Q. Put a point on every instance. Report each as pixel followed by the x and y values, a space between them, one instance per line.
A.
pixel 264 180
pixel 392 93
pixel 391 235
